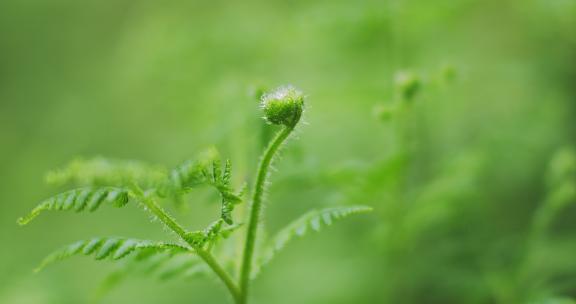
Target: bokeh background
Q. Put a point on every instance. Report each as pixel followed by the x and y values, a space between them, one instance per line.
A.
pixel 471 179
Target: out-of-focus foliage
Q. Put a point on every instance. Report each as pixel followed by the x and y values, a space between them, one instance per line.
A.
pixel 468 162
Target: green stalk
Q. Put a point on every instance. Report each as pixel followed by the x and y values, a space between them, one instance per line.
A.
pixel 256 210
pixel 203 254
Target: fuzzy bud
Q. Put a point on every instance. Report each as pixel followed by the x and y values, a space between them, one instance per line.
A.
pixel 283 106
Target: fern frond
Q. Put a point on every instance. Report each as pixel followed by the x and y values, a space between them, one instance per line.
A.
pixel 102 248
pixel 182 267
pixel 207 171
pixel 149 261
pixel 162 264
pixel 186 176
pixel 313 220
pixel 212 233
pixel 101 171
pixel 79 200
pixel 165 264
pixel 228 230
pixel 158 264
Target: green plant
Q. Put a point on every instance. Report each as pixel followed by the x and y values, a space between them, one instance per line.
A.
pixel 118 183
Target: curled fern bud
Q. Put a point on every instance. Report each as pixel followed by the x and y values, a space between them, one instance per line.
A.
pixel 283 106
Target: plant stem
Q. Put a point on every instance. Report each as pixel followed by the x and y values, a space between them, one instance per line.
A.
pixel 256 210
pixel 221 273
pixel 203 254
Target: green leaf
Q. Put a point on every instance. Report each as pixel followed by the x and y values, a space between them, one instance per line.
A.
pixel 181 267
pixel 208 235
pixel 314 220
pixel 166 265
pixel 228 230
pixel 113 248
pixel 186 176
pixel 163 265
pixel 79 200
pixel 206 171
pixel 213 233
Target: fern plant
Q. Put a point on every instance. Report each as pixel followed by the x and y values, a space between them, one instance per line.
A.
pixel 101 182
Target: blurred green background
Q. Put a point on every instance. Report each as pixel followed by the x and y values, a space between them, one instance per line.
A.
pixel 471 180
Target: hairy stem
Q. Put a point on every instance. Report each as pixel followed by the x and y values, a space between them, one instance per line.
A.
pixel 203 254
pixel 256 210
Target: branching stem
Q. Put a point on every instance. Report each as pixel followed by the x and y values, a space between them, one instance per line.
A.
pixel 256 210
pixel 203 254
